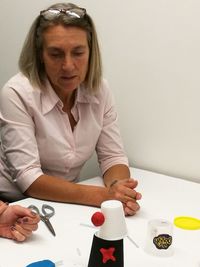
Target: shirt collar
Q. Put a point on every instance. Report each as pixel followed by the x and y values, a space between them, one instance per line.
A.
pixel 83 96
pixel 50 99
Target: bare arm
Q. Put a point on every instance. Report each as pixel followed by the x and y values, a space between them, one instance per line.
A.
pixel 61 190
pixel 117 172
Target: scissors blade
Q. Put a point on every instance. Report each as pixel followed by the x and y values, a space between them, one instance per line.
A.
pixel 48 224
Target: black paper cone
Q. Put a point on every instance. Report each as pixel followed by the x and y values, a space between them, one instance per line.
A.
pixel 106 253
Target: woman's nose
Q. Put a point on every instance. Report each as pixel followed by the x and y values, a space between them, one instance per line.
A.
pixel 68 63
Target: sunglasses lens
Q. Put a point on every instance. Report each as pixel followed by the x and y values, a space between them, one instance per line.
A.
pixel 50 14
pixel 53 13
pixel 76 12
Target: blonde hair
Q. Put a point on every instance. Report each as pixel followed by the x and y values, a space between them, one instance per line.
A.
pixel 30 63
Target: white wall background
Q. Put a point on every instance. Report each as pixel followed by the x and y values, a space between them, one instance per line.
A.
pixel 151 55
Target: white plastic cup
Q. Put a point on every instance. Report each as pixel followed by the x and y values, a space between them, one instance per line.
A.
pixel 114 226
pixel 159 241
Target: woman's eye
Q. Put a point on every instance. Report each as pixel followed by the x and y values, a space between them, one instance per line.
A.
pixel 56 55
pixel 78 54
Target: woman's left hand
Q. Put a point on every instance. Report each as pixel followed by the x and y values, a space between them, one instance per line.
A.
pixel 124 190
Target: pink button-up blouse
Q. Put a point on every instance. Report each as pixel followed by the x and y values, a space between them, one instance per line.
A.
pixel 36 136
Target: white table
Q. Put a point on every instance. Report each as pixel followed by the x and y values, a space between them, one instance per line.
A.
pixel 164 197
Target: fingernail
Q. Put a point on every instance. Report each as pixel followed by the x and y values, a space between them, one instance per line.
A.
pixel 25 220
pixel 33 213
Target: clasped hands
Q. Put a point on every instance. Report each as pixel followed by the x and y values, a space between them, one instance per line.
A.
pixel 124 191
pixel 17 222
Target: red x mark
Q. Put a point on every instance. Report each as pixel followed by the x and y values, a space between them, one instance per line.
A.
pixel 107 254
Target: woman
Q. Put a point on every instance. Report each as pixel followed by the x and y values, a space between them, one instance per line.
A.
pixel 57 111
pixel 17 222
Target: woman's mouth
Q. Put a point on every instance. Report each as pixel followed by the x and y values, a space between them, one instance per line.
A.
pixel 68 78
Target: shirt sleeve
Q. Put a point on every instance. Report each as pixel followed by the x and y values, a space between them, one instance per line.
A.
pixel 19 144
pixel 110 150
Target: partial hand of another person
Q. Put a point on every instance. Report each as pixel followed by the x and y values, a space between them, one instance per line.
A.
pixel 124 190
pixel 17 222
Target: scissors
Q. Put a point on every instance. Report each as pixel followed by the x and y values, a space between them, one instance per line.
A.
pixel 47 212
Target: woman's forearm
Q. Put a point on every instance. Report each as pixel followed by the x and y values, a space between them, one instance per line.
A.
pixel 116 172
pixel 61 190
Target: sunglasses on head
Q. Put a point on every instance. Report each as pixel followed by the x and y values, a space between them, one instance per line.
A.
pixel 52 13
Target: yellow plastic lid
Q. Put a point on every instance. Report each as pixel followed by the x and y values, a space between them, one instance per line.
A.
pixel 187 223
